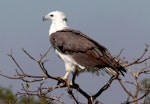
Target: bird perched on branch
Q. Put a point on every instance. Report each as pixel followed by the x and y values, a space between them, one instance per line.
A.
pixel 79 52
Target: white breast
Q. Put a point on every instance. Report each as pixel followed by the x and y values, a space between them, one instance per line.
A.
pixel 70 63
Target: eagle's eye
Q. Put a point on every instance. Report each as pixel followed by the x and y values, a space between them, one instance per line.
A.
pixel 51 15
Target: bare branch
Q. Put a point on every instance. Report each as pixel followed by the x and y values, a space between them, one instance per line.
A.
pixel 104 87
pixel 119 53
pixel 125 89
pixel 72 95
pixel 138 98
pixel 11 56
pixel 140 59
pixel 43 91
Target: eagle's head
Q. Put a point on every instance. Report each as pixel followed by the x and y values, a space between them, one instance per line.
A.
pixel 59 21
pixel 55 16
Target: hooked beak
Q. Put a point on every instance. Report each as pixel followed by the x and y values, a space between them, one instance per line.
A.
pixel 44 18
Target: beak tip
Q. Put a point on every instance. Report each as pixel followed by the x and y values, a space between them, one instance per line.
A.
pixel 43 18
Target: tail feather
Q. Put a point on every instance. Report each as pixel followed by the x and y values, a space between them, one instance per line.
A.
pixel 119 70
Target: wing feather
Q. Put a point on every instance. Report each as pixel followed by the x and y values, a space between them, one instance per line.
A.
pixel 83 49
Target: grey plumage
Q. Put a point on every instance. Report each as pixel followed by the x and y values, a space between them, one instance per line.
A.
pixel 85 51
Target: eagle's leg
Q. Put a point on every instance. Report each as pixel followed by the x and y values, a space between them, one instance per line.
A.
pixel 65 77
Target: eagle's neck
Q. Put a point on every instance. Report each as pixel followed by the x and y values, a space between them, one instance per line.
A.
pixel 57 25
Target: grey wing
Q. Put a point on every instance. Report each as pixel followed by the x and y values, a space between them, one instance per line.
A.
pixel 84 50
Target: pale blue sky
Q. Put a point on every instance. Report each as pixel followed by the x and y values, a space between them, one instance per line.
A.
pixel 116 24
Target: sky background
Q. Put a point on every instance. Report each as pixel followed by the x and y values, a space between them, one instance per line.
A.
pixel 116 24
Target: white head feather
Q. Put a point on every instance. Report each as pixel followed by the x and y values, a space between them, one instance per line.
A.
pixel 59 21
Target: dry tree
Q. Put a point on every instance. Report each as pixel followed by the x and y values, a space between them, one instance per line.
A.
pixel 43 91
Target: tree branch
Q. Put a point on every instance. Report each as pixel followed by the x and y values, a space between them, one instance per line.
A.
pixel 43 91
